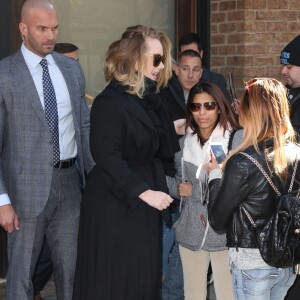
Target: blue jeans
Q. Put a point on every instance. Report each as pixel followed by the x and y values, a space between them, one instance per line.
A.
pixel 167 244
pixel 261 284
pixel 172 286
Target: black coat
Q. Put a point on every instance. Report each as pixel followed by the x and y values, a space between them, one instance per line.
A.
pixel 119 253
pixel 174 99
pixel 218 79
pixel 294 98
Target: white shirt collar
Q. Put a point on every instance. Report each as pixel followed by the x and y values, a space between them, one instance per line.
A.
pixel 32 60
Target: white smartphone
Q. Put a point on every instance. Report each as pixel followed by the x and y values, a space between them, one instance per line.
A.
pixel 218 152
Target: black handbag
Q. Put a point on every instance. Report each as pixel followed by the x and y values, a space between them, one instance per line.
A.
pixel 279 240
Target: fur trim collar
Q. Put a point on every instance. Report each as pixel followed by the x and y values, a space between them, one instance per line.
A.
pixel 197 155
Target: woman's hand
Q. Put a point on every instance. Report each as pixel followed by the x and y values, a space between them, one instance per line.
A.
pixel 156 199
pixel 185 189
pixel 180 126
pixel 213 164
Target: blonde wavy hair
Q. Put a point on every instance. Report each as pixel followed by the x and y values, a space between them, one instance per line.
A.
pixel 264 113
pixel 125 60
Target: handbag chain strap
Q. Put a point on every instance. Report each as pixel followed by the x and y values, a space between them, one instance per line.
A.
pixel 269 180
pixel 268 177
pixel 248 216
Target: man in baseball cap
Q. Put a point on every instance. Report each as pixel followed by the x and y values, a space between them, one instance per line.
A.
pixel 290 59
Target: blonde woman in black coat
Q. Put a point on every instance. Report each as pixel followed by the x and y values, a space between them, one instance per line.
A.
pixel 119 252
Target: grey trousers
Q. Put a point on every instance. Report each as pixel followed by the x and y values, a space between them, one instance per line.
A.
pixel 59 222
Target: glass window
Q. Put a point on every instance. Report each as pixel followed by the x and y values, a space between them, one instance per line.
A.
pixel 92 25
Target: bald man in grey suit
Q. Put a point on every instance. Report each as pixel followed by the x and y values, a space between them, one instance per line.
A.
pixel 38 195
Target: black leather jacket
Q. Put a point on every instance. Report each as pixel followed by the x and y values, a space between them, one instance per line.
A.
pixel 242 182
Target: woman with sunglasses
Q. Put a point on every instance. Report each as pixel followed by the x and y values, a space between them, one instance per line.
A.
pixel 209 118
pixel 269 139
pixel 119 253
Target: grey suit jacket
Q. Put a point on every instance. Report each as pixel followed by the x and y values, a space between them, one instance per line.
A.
pixel 26 149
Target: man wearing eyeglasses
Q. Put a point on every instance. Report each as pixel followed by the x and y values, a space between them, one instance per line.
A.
pixel 290 60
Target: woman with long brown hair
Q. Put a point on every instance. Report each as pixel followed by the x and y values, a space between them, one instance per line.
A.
pixel 269 139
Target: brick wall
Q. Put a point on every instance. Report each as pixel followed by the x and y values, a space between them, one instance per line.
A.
pixel 248 35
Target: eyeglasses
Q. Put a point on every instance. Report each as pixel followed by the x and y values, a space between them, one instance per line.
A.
pixel 207 105
pixel 157 59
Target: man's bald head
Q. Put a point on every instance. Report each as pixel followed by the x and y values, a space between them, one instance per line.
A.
pixel 39 26
pixel 32 4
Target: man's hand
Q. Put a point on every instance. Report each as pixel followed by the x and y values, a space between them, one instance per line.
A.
pixel 8 218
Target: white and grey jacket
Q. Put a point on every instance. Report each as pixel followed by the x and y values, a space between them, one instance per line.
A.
pixel 192 229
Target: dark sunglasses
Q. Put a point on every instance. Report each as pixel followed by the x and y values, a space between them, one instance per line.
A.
pixel 157 59
pixel 207 105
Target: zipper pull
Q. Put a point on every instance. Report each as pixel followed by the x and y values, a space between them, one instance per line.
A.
pixel 236 243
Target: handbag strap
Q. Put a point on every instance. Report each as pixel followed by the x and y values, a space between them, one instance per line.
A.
pixel 268 177
pixel 248 216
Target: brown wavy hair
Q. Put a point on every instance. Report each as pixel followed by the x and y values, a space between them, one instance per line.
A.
pixel 125 60
pixel 264 114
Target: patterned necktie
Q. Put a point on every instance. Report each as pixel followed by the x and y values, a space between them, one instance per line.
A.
pixel 51 109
